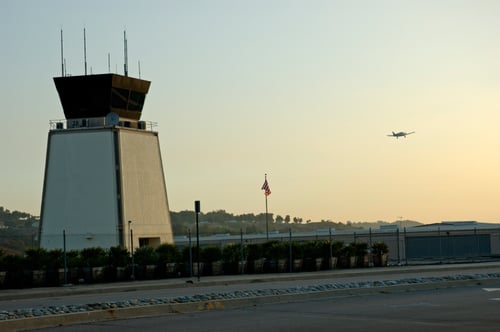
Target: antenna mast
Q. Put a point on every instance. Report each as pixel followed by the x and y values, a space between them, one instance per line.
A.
pixel 109 63
pixel 139 62
pixel 85 51
pixel 125 66
pixel 62 54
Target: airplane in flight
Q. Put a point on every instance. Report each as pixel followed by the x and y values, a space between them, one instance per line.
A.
pixel 400 134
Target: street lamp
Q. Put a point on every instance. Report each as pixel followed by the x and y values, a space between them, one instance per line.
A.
pixel 197 211
pixel 132 249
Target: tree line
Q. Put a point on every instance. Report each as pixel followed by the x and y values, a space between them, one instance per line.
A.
pixel 223 222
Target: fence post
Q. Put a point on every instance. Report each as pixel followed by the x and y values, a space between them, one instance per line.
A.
pixel 290 262
pixel 397 240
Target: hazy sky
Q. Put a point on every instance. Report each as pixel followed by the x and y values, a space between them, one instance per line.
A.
pixel 305 91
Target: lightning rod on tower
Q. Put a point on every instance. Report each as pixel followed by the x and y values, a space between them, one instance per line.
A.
pixel 85 50
pixel 125 65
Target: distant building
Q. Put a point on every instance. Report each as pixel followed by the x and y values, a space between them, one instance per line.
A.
pixel 446 241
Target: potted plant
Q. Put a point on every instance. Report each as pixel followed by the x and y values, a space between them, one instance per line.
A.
pixel 361 252
pixel 348 255
pixel 3 270
pixel 75 265
pixel 14 266
pixel 169 256
pixel 118 258
pixel 333 251
pixel 190 261
pixel 211 256
pixel 313 255
pixel 380 252
pixel 276 254
pixel 233 257
pixel 94 260
pixel 146 259
pixel 255 257
pixel 37 260
pixel 55 261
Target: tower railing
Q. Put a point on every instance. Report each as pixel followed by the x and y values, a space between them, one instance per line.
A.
pixel 84 123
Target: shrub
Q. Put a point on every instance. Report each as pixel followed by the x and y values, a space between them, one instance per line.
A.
pixel 211 254
pixel 348 250
pixel 232 253
pixel 93 257
pixel 311 249
pixel 336 248
pixel 276 250
pixel 185 254
pixel 145 256
pixel 74 259
pixel 380 248
pixel 118 256
pixel 360 248
pixel 56 259
pixel 255 251
pixel 36 258
pixel 168 253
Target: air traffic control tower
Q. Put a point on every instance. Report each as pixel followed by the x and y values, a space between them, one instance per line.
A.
pixel 104 184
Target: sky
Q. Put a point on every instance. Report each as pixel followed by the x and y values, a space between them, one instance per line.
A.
pixel 303 91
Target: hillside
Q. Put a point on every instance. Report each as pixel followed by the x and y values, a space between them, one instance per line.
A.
pixel 19 230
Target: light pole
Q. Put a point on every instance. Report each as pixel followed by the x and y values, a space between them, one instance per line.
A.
pixel 197 211
pixel 190 254
pixel 65 258
pixel 132 249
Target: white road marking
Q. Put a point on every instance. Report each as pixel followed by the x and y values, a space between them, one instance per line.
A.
pixel 492 289
pixel 419 304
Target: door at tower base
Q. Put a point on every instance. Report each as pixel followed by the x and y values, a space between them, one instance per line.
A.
pixel 96 181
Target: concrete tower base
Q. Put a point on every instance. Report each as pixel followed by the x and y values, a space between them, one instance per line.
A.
pixel 101 183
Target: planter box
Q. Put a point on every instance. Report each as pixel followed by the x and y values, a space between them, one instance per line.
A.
pixel 73 275
pixel 332 264
pixel 297 265
pixel 3 276
pixel 121 273
pixel 217 268
pixel 98 274
pixel 171 269
pixel 242 267
pixel 380 260
pixel 282 265
pixel 195 268
pixel 363 261
pixel 258 265
pixel 270 266
pixel 353 261
pixel 150 271
pixel 318 263
pixel 39 277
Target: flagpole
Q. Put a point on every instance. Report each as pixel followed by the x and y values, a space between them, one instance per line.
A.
pixel 267 225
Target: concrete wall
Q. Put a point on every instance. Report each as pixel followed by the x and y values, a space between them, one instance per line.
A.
pixel 144 191
pixel 96 181
pixel 80 193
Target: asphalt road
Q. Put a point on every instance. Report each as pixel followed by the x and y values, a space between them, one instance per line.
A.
pixel 453 309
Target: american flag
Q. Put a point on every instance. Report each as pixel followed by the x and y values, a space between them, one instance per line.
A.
pixel 265 187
